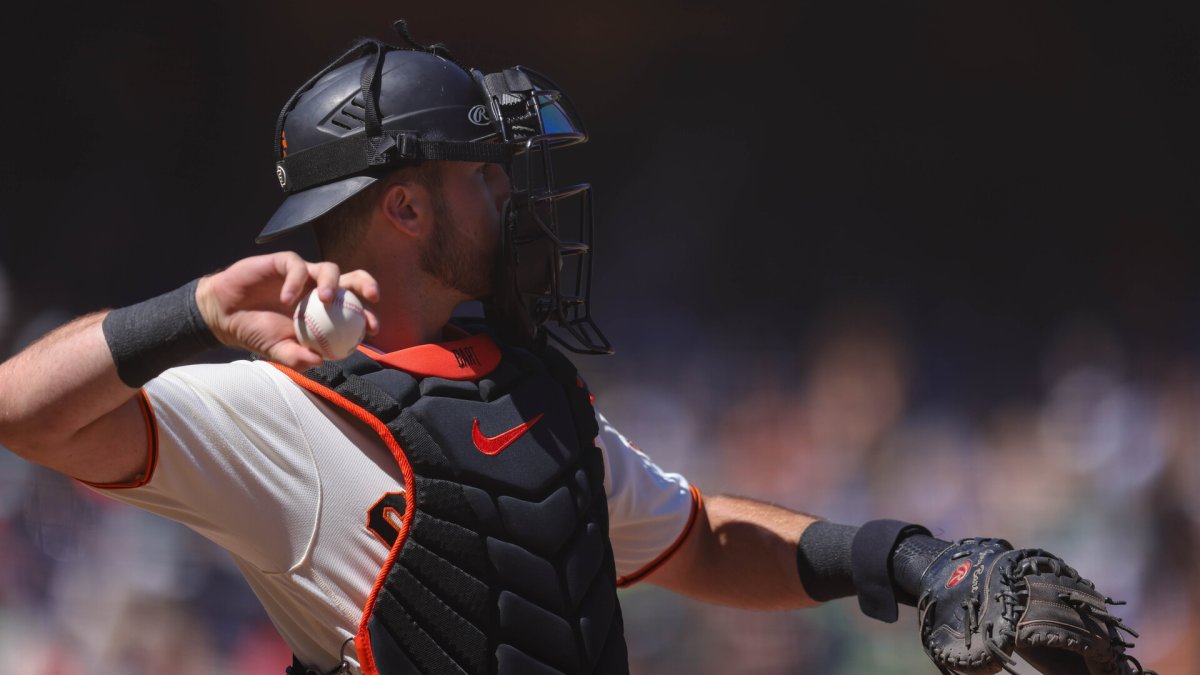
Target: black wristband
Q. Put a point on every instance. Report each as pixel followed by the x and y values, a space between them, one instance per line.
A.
pixel 823 560
pixel 871 563
pixel 147 338
pixel 882 562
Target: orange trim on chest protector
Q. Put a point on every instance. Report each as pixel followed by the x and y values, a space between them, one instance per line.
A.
pixel 470 358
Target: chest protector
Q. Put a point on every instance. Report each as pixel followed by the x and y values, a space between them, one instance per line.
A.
pixel 503 564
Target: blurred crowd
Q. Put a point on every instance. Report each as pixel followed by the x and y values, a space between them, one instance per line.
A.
pixel 1099 466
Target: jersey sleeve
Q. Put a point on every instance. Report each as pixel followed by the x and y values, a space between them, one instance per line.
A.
pixel 229 459
pixel 651 512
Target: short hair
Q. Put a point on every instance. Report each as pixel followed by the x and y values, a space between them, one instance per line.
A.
pixel 341 230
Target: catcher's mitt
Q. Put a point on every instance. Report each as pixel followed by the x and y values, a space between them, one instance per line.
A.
pixel 981 600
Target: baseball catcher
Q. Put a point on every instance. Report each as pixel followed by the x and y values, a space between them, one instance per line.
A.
pixel 448 498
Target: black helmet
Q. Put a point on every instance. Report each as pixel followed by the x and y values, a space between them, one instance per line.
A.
pixel 336 135
pixel 378 106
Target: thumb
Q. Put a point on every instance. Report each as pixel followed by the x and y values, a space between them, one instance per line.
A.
pixel 294 355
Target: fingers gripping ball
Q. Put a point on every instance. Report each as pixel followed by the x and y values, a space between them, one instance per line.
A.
pixel 332 330
pixel 982 601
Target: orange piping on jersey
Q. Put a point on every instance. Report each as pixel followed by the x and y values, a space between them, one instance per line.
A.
pixel 362 642
pixel 697 503
pixel 151 450
pixel 469 358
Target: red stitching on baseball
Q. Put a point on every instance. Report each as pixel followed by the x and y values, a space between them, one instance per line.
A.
pixel 316 332
pixel 341 302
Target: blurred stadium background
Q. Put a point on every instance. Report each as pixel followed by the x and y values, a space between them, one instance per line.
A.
pixel 925 260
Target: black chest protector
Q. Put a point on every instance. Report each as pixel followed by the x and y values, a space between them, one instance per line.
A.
pixel 503 564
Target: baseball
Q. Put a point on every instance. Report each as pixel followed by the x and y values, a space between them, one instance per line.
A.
pixel 332 330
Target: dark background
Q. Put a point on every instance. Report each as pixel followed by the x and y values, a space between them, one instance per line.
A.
pixel 926 260
pixel 985 168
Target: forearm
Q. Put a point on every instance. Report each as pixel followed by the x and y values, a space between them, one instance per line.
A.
pixel 67 402
pixel 58 386
pixel 754 555
pixel 78 374
pixel 978 599
pixel 741 552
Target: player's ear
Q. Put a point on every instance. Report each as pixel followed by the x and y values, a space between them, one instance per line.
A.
pixel 408 207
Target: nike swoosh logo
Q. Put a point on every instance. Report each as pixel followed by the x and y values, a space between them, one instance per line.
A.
pixel 492 445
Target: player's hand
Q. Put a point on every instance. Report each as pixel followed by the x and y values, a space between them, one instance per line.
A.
pixel 249 305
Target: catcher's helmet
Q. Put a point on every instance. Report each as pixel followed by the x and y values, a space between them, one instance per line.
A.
pixel 378 106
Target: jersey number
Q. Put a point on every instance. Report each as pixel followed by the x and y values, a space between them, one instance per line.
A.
pixel 385 517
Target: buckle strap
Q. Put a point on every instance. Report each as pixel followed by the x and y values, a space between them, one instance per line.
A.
pixel 359 154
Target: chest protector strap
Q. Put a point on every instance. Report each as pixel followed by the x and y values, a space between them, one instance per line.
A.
pixel 503 564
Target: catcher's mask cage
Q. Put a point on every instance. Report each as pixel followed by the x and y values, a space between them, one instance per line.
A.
pixel 547 234
pixel 544 271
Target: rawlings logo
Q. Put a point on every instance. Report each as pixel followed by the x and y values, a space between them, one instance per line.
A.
pixel 979 570
pixel 478 116
pixel 281 175
pixel 960 573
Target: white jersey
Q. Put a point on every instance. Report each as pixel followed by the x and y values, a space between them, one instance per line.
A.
pixel 287 484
